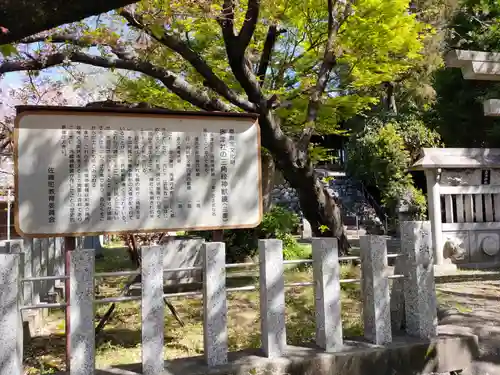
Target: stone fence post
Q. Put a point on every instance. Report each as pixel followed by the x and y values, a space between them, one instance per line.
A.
pixel 375 289
pixel 326 271
pixel 419 286
pixel 272 298
pixel 51 268
pixel 27 270
pixel 215 304
pixel 152 310
pixel 11 325
pixel 81 309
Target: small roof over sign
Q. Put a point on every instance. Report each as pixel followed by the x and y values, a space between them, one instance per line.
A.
pixel 432 158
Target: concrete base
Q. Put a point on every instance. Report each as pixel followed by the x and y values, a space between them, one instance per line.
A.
pixel 404 356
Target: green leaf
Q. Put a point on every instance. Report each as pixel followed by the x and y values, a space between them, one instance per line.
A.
pixel 8 50
pixel 157 30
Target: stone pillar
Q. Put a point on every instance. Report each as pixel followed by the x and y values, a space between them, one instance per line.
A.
pixel 81 309
pixel 153 310
pixel 375 288
pixel 272 298
pixel 36 259
pixel 419 287
pixel 434 202
pixel 51 258
pixel 44 267
pixel 215 303
pixel 306 230
pixel 326 270
pixel 59 257
pixel 27 273
pixel 11 325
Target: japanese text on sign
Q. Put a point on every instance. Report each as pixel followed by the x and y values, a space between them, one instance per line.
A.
pixel 118 172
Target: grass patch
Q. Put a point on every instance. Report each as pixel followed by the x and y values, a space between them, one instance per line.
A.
pixel 447 301
pixel 120 343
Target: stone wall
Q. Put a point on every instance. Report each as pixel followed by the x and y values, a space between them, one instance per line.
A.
pixel 284 195
pixel 354 204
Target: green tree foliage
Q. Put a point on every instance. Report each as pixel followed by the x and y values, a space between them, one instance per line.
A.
pixel 457 113
pixel 278 223
pixel 376 41
pixel 304 66
pixel 381 155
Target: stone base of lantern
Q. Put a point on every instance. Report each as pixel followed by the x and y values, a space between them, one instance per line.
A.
pixel 445 269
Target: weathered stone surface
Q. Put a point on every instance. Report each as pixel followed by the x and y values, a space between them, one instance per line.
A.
pixel 306 230
pixel 419 287
pixel 375 288
pixel 82 337
pixel 327 293
pixel 337 185
pixel 11 329
pixel 403 357
pixel 215 304
pixel 272 298
pixel 152 310
pixel 182 253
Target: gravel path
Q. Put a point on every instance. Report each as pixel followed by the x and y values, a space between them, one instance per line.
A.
pixel 473 306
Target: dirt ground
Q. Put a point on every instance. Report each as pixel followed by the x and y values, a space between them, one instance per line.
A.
pixel 470 303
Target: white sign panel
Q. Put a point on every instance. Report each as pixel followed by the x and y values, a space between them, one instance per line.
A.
pixel 83 172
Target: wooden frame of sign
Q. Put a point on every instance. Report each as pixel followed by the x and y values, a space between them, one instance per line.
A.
pixel 88 171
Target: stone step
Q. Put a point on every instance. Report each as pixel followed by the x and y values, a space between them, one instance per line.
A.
pixel 32 323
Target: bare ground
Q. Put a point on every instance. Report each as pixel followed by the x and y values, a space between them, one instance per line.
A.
pixel 472 300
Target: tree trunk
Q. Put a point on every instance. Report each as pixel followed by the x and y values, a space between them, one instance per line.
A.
pixel 320 209
pixel 390 98
pixel 268 173
pixel 24 18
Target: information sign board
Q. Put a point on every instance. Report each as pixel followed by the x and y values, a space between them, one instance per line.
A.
pixel 90 172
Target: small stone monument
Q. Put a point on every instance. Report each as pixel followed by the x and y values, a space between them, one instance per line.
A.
pixel 306 230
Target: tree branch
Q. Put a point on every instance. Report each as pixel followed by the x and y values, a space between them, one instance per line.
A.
pixel 238 61
pixel 251 19
pixel 22 18
pixel 265 59
pixel 173 82
pixel 327 65
pixel 80 41
pixel 226 19
pixel 62 37
pixel 183 49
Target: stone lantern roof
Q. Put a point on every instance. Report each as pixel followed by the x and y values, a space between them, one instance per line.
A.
pixel 457 158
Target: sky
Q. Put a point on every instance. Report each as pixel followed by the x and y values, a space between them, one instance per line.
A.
pixel 97 77
pixel 97 80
